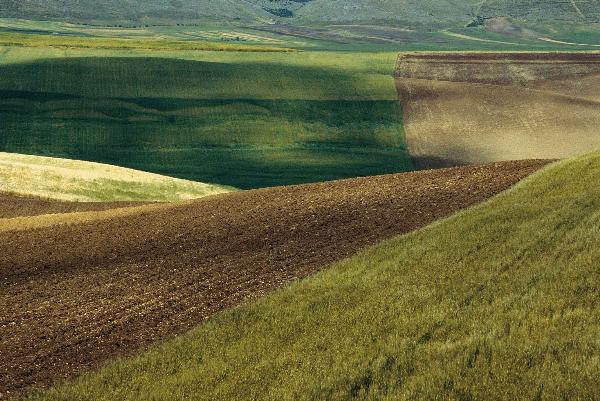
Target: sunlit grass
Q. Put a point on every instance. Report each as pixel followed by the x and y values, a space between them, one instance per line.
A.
pixel 499 302
pixel 114 43
pixel 73 180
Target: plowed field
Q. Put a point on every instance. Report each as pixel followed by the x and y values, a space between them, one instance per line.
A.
pixel 75 295
pixel 15 206
pixel 482 107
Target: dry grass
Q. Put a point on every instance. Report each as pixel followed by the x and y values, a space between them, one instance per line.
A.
pixel 74 180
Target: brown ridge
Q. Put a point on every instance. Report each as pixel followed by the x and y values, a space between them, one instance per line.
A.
pixel 75 295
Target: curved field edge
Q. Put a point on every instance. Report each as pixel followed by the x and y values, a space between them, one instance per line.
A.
pixel 110 288
pixel 23 223
pixel 497 302
pixel 74 180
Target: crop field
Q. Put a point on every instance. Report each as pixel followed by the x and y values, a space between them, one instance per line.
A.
pixel 497 302
pixel 479 107
pixel 204 200
pixel 115 281
pixel 72 180
pixel 229 118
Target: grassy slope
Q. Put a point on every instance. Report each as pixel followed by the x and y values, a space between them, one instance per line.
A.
pixel 414 12
pixel 499 302
pixel 311 10
pixel 74 180
pixel 240 119
pixel 559 10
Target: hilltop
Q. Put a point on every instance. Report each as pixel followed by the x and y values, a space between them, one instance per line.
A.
pixel 81 181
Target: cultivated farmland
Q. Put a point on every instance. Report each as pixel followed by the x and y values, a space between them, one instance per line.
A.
pixel 499 302
pixel 103 284
pixel 132 269
pixel 72 180
pixel 465 108
pixel 245 120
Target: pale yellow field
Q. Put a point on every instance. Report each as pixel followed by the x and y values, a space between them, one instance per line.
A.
pixel 73 180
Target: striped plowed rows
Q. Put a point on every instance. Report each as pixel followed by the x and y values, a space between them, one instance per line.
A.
pixel 74 295
pixel 469 108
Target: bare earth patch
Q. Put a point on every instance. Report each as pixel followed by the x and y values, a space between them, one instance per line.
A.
pixel 12 206
pixel 75 294
pixel 482 107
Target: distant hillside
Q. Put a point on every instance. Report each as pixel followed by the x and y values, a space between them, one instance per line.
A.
pixel 543 10
pixel 414 12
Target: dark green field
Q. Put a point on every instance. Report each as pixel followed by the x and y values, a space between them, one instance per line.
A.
pixel 263 122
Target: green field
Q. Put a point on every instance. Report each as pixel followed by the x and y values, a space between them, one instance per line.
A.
pixel 241 119
pixel 499 302
pixel 155 99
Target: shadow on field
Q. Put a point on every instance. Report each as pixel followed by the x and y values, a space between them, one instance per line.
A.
pixel 133 77
pixel 244 125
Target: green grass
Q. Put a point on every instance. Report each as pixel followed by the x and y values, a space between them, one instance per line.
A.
pixel 499 302
pixel 70 42
pixel 240 119
pixel 73 180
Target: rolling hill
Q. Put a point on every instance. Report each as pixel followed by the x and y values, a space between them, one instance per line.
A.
pixel 499 302
pixel 412 12
pixel 73 180
pixel 108 283
pixel 246 120
pixel 479 107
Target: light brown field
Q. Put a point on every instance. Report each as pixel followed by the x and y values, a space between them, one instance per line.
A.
pixel 481 107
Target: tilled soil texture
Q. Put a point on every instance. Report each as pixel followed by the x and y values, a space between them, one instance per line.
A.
pixel 464 108
pixel 74 295
pixel 17 206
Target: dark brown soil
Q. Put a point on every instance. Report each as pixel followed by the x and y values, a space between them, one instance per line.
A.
pixel 74 296
pixel 522 56
pixel 15 206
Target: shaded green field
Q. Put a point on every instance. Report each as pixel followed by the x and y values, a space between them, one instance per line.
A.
pixel 499 302
pixel 245 120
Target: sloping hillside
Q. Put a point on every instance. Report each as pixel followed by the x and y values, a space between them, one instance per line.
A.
pixel 108 283
pixel 414 12
pixel 128 10
pixel 74 180
pixel 482 107
pixel 542 10
pixel 496 303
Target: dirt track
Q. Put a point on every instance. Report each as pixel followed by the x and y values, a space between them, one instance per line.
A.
pixel 73 296
pixel 475 108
